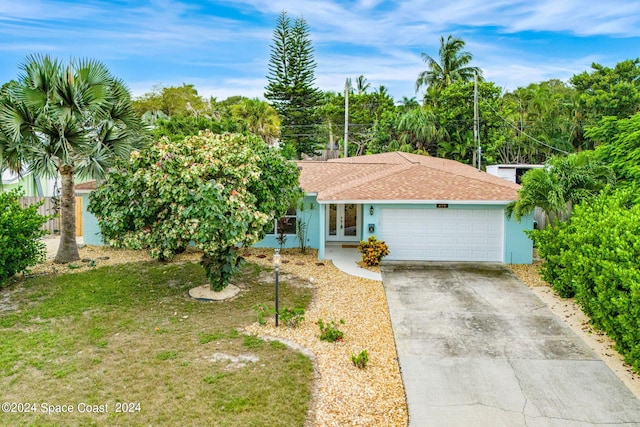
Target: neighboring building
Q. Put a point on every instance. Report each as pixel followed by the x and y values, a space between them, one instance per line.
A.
pixel 514 173
pixel 90 228
pixel 424 208
pixel 31 184
pixel 511 173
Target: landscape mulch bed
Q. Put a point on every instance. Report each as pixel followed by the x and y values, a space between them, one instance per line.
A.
pixel 346 395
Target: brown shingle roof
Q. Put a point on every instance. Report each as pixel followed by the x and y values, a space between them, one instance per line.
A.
pixel 87 186
pixel 395 176
pixel 400 176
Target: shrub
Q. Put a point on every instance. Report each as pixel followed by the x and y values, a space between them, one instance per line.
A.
pixel 217 192
pixel 596 256
pixel 603 262
pixel 20 231
pixel 261 310
pixel 360 360
pixel 552 243
pixel 292 317
pixel 373 251
pixel 329 331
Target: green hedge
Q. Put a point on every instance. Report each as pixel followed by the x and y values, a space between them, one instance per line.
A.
pixel 20 233
pixel 596 257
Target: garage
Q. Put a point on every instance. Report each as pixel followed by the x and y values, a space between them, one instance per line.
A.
pixel 450 234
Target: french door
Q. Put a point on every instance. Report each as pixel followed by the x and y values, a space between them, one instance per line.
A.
pixel 343 222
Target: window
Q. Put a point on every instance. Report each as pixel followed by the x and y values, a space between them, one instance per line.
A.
pixel 286 224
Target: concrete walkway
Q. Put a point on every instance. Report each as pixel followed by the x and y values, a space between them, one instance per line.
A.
pixel 346 259
pixel 478 348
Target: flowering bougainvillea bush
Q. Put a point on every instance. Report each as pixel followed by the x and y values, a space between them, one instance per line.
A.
pixel 217 192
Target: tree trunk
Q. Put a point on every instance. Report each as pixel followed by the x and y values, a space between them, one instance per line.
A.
pixel 68 248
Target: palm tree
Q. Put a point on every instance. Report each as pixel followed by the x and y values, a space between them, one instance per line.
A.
pixel 409 103
pixel 453 65
pixel 362 85
pixel 418 130
pixel 257 117
pixel 560 185
pixel 67 120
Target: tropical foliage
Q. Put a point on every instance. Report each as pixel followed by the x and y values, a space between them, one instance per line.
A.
pixel 177 128
pixel 452 65
pixel 173 101
pixel 367 111
pixel 619 146
pixel 373 250
pixel 20 232
pixel 257 117
pixel 595 257
pixel 217 192
pixel 609 91
pixel 563 183
pixel 70 120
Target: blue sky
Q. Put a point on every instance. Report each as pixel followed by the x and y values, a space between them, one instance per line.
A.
pixel 222 47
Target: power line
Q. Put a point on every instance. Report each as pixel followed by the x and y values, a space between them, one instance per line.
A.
pixel 524 133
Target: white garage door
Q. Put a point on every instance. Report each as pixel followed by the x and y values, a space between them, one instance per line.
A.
pixel 443 234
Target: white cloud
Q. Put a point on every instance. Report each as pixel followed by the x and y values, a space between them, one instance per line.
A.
pixel 192 42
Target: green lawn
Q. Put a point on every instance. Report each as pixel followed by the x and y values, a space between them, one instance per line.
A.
pixel 130 334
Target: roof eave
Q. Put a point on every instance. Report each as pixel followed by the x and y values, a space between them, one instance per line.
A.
pixel 416 202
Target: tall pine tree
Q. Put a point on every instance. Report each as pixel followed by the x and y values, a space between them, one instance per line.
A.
pixel 291 88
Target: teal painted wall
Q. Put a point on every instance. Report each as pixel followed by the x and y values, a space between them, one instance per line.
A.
pixel 368 219
pixel 518 247
pixel 311 215
pixel 90 228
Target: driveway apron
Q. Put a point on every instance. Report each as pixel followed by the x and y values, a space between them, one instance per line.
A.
pixel 478 348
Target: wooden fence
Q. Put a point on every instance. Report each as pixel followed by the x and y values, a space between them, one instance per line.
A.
pixel 49 207
pixel 323 155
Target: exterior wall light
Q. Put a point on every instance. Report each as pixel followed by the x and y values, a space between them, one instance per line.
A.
pixel 371 210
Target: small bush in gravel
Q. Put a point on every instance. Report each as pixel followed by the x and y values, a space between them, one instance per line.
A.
pixel 373 250
pixel 292 317
pixel 329 331
pixel 261 310
pixel 360 360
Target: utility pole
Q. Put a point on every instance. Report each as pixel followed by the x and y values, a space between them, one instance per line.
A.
pixel 476 120
pixel 346 117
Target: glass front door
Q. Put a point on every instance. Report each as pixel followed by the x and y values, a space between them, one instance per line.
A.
pixel 343 222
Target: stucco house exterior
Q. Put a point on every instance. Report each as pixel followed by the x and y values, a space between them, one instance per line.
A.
pixel 31 184
pixel 424 208
pixel 511 173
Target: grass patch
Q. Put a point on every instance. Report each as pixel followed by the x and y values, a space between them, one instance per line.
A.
pixel 167 355
pixel 277 345
pixel 210 379
pixel 204 338
pixel 251 341
pixel 127 333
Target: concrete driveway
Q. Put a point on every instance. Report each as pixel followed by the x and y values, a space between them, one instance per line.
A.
pixel 478 348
